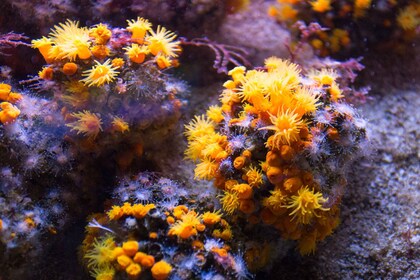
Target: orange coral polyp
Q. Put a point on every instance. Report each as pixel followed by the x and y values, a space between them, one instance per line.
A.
pixel 70 68
pixel 147 261
pixel 138 29
pixel 124 261
pixel 101 33
pixel 100 51
pixel 211 218
pixel 136 53
pixel 139 211
pixel 8 113
pixel 5 89
pixel 46 73
pixel 44 46
pixel 163 61
pixel 244 191
pixel 130 247
pixel 133 270
pixel 161 270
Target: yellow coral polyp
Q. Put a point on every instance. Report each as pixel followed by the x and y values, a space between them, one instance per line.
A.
pixel 360 7
pixel 237 73
pixel 163 61
pixel 145 260
pixel 46 73
pixel 321 6
pixel 306 101
pixel 14 97
pixel 274 64
pixel 136 53
pixel 187 226
pixel 254 177
pixel 115 213
pixel 199 126
pixel 276 202
pixel 118 124
pixel 230 202
pixel 324 77
pixel 138 29
pixel 106 272
pixel 100 74
pixel 286 126
pixel 162 41
pixel 117 62
pixel 286 12
pixel 408 18
pixel 87 123
pixel 179 211
pixel 101 253
pixel 70 41
pixel 206 169
pixel 335 92
pixel 196 147
pixel 253 86
pixel 215 114
pixel 305 205
pixel 211 218
pixel 127 208
pixel 212 150
pixel 101 33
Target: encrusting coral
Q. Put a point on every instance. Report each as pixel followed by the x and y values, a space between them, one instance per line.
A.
pixel 277 148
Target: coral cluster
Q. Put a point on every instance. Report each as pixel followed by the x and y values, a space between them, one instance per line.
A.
pixel 278 147
pixel 101 107
pixel 348 23
pixel 109 85
pixel 158 229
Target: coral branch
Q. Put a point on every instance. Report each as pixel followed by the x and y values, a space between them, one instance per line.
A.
pixel 225 54
pixel 11 40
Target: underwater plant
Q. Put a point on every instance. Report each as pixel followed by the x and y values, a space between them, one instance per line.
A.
pixel 277 149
